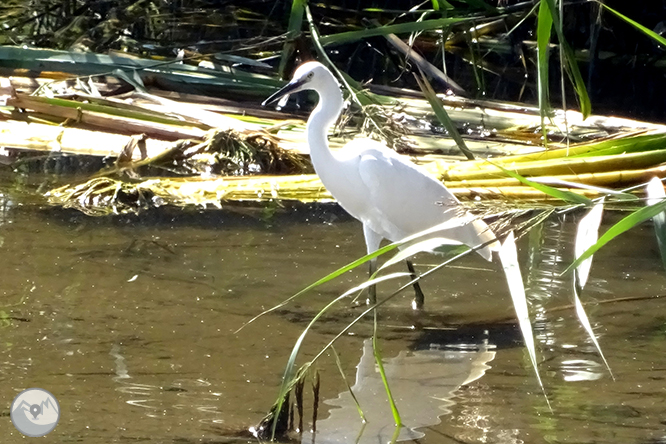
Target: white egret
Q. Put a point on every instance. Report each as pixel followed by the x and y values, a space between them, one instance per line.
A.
pixel 390 195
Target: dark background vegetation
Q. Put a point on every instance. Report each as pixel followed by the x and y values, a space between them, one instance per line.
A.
pixel 624 69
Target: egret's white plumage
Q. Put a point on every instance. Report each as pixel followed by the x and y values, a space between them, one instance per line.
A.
pixel 390 195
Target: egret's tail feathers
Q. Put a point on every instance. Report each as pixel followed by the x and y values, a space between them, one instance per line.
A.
pixel 474 233
pixel 482 234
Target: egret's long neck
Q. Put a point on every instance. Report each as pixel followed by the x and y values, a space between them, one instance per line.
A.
pixel 324 115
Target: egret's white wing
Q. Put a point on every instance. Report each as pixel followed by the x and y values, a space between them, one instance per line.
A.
pixel 405 195
pixel 404 199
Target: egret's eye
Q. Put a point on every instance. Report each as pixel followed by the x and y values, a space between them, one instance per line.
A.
pixel 309 76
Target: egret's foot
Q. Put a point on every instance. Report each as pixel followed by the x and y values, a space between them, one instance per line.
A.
pixel 372 296
pixel 419 298
pixel 372 290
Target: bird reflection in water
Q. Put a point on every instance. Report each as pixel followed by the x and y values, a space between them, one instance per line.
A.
pixel 422 383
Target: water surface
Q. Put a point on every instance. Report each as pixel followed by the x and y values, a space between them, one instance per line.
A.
pixel 130 321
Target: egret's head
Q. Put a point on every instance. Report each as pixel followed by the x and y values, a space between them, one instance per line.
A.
pixel 310 75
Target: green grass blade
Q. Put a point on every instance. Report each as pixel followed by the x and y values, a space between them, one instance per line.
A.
pixel 328 277
pixel 619 195
pixel 293 31
pixel 396 435
pixel 361 98
pixel 288 379
pixel 653 35
pixel 442 115
pixel 544 29
pixel 432 243
pixel 566 196
pixel 288 376
pixel 572 65
pixel 139 114
pixel 380 365
pixel 586 236
pixel 344 378
pixel 509 258
pixel 563 85
pixel 426 245
pixel 457 222
pixel 655 193
pixel 623 225
pixel 400 28
pixel 577 79
pixel 585 322
pixel 134 79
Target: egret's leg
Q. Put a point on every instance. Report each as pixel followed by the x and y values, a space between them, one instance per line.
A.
pixel 372 291
pixel 372 241
pixel 417 303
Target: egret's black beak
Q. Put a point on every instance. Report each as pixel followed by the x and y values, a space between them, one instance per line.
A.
pixel 289 88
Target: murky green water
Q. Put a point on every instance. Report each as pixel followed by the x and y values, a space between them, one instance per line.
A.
pixel 130 323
